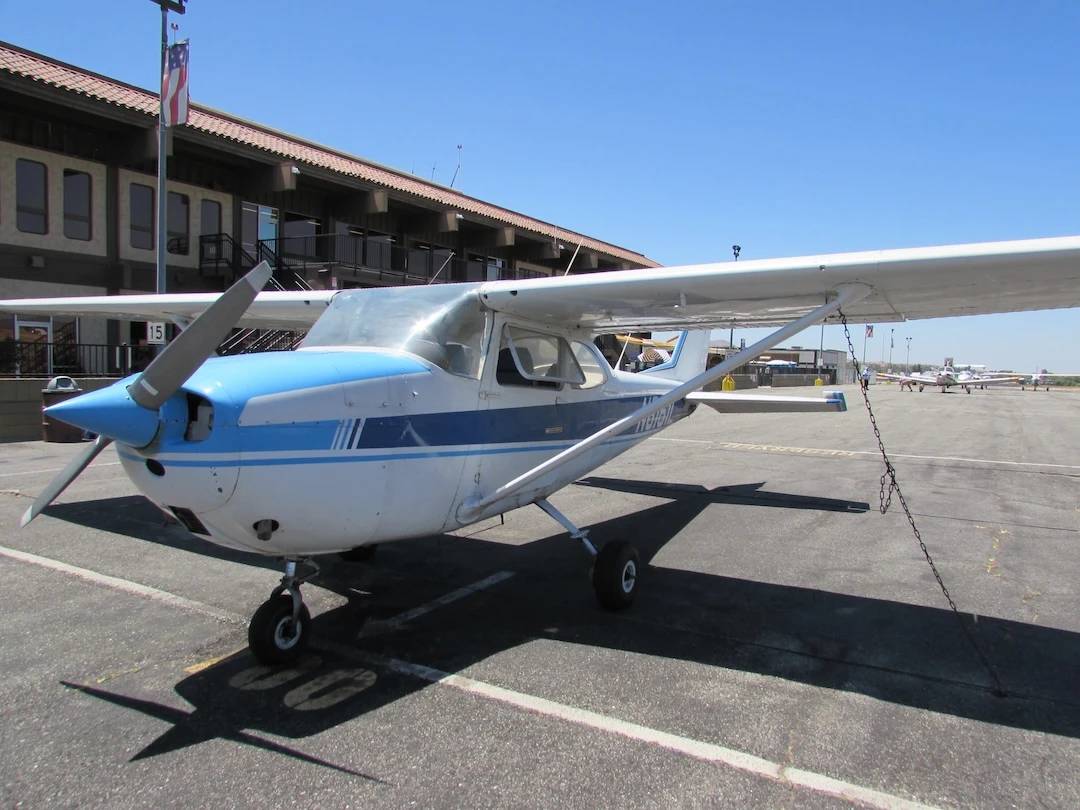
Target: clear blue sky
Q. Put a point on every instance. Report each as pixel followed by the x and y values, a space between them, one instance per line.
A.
pixel 786 127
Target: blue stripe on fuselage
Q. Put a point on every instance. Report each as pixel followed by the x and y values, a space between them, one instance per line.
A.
pixel 538 423
pixel 541 426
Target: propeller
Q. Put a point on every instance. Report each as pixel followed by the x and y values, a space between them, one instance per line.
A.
pixel 181 358
pixel 112 408
pixel 66 476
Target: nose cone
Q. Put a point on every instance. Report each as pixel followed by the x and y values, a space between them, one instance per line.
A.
pixel 109 412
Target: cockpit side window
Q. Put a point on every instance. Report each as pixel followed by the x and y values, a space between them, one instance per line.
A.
pixel 535 359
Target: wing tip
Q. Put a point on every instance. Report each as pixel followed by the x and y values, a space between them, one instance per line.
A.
pixel 837 398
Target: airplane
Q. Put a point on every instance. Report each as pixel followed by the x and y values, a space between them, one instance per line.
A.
pixel 947 377
pixel 412 411
pixel 1039 379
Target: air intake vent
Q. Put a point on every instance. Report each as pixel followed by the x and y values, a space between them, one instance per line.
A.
pixel 189 521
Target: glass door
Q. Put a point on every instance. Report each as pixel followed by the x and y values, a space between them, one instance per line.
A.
pixel 33 353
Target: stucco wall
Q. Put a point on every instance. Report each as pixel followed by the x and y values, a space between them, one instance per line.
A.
pixel 195 194
pixel 55 165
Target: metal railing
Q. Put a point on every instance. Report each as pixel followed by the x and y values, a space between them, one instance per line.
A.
pixel 42 359
pixel 374 259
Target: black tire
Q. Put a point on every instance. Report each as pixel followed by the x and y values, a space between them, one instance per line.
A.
pixel 358 554
pixel 268 634
pixel 615 575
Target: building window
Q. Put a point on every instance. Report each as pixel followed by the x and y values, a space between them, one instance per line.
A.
pixel 31 196
pixel 141 199
pixel 76 205
pixel 178 222
pixel 209 218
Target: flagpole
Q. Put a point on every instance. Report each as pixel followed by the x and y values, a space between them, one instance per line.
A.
pixel 162 214
pixel 162 219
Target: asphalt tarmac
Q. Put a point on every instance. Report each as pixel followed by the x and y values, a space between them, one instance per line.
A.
pixel 789 646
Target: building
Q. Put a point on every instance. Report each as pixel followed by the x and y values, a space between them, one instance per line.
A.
pixel 78 163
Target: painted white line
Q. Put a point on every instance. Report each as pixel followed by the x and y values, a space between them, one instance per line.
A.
pixel 973 460
pixel 56 469
pixel 706 752
pixel 389 625
pixel 123 585
pixel 822 451
pixel 684 441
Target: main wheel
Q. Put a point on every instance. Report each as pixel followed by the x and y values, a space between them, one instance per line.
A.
pixel 920 389
pixel 358 554
pixel 615 575
pixel 272 637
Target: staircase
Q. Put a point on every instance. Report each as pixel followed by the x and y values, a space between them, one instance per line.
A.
pixel 222 256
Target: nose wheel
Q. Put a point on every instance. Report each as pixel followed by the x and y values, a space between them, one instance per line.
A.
pixel 281 627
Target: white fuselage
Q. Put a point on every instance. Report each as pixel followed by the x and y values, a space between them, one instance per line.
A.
pixel 338 449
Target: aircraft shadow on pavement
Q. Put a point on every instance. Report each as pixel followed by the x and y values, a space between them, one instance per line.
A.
pixel 135 516
pixel 910 655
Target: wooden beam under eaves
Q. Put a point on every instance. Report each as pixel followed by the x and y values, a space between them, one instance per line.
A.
pixel 445 222
pixel 269 179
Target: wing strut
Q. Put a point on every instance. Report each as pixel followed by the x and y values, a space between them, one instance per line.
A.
pixel 472 508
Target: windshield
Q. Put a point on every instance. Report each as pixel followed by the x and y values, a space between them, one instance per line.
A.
pixel 443 324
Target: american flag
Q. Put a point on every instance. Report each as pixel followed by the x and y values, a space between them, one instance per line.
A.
pixel 869 331
pixel 174 85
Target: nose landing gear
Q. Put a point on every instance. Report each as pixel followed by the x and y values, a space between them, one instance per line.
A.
pixel 281 628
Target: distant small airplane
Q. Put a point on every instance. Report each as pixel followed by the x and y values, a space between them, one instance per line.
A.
pixel 411 411
pixel 948 377
pixel 1039 380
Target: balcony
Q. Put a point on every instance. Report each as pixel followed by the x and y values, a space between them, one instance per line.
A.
pixel 355 259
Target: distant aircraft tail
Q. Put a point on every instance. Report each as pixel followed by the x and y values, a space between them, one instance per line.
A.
pixel 687 358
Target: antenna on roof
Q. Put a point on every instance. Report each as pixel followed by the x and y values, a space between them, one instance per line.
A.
pixel 433 165
pixel 458 169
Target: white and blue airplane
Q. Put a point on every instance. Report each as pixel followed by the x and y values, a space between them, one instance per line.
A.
pixel 410 411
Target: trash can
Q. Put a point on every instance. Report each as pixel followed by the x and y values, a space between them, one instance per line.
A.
pixel 52 429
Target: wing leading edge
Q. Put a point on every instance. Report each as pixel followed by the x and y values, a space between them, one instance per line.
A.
pixel 908 284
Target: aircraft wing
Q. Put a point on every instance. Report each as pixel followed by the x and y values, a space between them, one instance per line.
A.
pixel 723 402
pixel 916 378
pixel 276 310
pixel 907 284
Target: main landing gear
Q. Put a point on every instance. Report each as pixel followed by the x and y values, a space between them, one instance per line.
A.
pixel 281 628
pixel 615 568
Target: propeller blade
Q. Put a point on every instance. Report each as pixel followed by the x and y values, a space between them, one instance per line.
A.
pixel 64 477
pixel 171 369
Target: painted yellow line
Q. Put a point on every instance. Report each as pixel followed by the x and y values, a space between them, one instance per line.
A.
pixel 194 668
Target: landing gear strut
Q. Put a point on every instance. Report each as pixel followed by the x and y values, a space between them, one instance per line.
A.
pixel 615 568
pixel 281 628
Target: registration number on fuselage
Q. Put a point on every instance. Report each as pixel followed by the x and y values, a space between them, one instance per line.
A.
pixel 655 421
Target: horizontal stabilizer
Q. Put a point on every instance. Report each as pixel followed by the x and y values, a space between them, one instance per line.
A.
pixel 725 402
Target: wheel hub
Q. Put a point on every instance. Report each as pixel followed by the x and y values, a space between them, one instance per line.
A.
pixel 629 576
pixel 287 633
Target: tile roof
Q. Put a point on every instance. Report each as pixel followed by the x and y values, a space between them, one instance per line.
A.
pixel 72 79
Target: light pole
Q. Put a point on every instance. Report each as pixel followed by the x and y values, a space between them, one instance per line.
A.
pixel 908 363
pixel 736 249
pixel 162 221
